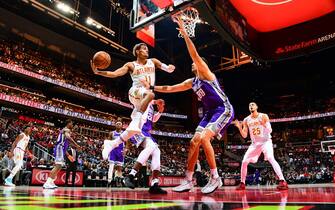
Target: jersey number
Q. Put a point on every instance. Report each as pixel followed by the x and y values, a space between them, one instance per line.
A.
pixel 200 93
pixel 256 131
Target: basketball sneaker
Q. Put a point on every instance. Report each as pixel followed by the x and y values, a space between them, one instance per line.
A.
pixel 49 185
pixel 241 186
pixel 212 185
pixel 282 185
pixel 185 186
pixel 156 189
pixel 129 181
pixel 9 182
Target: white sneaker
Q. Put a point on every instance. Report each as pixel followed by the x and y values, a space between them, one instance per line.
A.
pixel 49 185
pixel 185 186
pixel 212 185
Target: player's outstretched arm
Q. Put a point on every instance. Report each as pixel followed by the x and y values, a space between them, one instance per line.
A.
pixel 158 64
pixel 186 85
pixel 203 70
pixel 242 127
pixel 111 74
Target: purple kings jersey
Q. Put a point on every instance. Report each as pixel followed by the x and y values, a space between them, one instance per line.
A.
pixel 209 93
pixel 121 146
pixel 147 127
pixel 62 140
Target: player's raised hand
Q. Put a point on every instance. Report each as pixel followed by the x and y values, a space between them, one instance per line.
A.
pixel 160 105
pixel 177 19
pixel 145 83
pixel 171 68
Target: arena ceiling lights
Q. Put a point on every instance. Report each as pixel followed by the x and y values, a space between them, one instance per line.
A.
pixel 91 22
pixel 66 9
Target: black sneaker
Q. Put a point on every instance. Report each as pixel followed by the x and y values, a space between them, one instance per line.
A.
pixel 129 181
pixel 155 189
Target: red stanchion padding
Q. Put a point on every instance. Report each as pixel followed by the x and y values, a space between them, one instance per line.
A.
pixel 162 3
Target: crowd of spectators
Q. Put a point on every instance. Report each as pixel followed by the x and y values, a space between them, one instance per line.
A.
pixel 34 58
pixel 301 164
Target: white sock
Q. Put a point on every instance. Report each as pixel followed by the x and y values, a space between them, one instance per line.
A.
pixel 189 175
pixel 154 181
pixel 214 173
pixel 110 172
pixel 133 172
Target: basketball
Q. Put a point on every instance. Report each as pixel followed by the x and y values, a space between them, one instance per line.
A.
pixel 101 60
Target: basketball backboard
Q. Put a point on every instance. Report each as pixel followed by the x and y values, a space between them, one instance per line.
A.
pixel 147 12
pixel 285 34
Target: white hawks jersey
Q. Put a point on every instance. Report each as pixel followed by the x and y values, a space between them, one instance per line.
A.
pixel 143 72
pixel 23 143
pixel 258 133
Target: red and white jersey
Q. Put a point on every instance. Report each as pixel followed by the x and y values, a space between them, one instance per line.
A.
pixel 23 143
pixel 143 72
pixel 258 133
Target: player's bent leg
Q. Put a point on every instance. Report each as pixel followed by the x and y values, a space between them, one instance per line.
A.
pixel 141 98
pixel 149 147
pixel 148 97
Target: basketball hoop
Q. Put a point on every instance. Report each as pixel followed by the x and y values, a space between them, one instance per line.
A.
pixel 190 18
pixel 332 151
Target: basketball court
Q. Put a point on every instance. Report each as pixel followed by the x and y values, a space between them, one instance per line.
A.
pixel 317 196
pixel 266 30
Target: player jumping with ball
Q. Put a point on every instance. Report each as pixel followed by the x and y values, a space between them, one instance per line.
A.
pixel 141 69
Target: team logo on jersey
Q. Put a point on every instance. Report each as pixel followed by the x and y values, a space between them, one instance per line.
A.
pixel 271 2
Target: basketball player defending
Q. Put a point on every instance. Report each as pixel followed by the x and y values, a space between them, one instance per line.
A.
pixel 141 69
pixel 259 127
pixel 218 115
pixel 150 148
pixel 116 157
pixel 18 149
pixel 62 144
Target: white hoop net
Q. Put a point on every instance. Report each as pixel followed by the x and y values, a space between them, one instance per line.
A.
pixel 190 18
